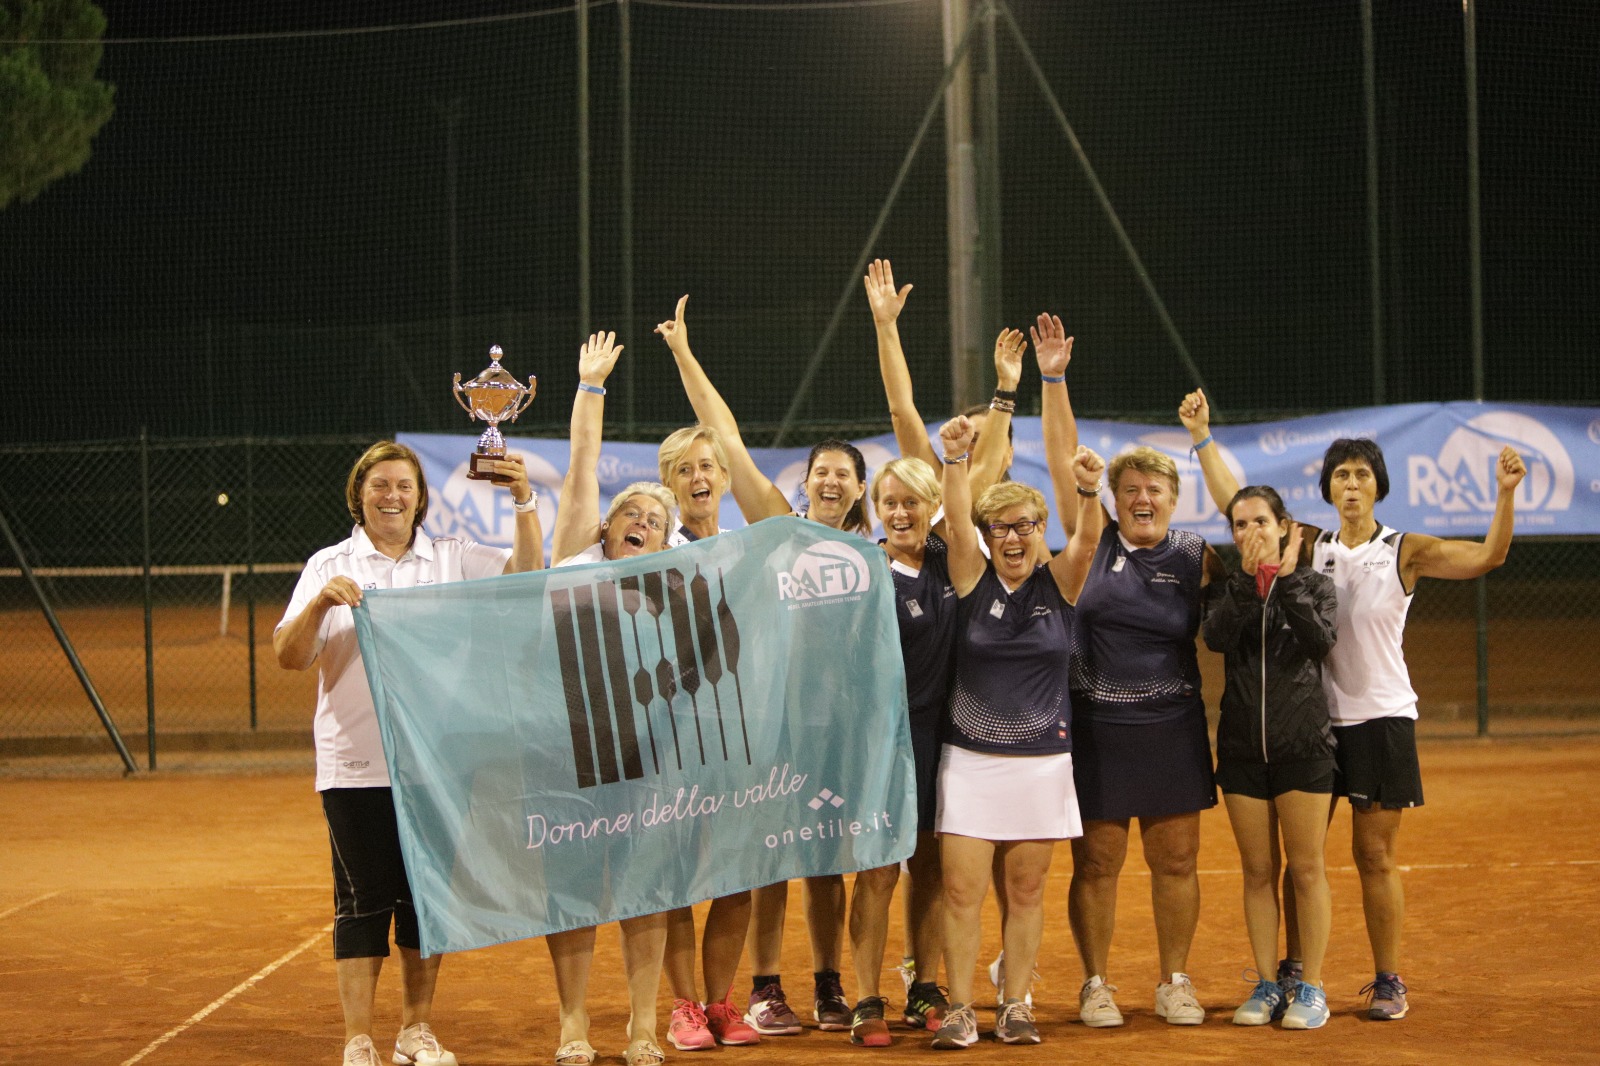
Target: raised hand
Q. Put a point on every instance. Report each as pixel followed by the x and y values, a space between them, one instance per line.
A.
pixel 1051 345
pixel 1510 470
pixel 1195 414
pixel 1291 550
pixel 512 472
pixel 673 331
pixel 955 436
pixel 1008 358
pixel 885 302
pixel 596 358
pixel 1088 468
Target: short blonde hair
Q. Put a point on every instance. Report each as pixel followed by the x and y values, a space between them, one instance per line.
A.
pixel 382 452
pixel 678 443
pixel 1147 461
pixel 653 489
pixel 915 474
pixel 1006 494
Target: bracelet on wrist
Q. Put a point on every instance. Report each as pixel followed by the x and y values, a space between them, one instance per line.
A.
pixel 530 504
pixel 1201 443
pixel 1006 394
pixel 997 404
pixel 1089 493
pixel 598 390
pixel 1048 380
pixel 952 460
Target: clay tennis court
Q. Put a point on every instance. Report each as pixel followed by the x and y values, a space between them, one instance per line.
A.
pixel 183 919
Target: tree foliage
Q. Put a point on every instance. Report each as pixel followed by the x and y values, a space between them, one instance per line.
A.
pixel 51 106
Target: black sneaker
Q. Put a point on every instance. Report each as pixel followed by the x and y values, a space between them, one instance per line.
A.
pixel 1387 998
pixel 926 1006
pixel 833 1011
pixel 867 1027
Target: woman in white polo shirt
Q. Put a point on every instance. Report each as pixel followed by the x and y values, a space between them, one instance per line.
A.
pixel 387 497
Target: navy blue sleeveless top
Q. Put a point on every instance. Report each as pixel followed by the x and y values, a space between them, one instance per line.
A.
pixel 1134 660
pixel 925 607
pixel 1010 695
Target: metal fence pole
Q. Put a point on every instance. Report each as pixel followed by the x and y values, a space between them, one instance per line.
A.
pixel 625 179
pixel 1369 84
pixel 250 570
pixel 585 295
pixel 149 621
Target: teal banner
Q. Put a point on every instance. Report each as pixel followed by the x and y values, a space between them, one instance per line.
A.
pixel 575 746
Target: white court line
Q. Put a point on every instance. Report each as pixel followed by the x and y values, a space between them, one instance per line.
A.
pixel 31 902
pixel 243 986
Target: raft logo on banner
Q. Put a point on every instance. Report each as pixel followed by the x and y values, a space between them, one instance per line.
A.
pixel 589 743
pixel 1461 480
pixel 830 571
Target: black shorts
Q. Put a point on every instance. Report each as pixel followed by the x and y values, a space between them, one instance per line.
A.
pixel 1269 780
pixel 370 889
pixel 1142 771
pixel 1378 763
pixel 925 753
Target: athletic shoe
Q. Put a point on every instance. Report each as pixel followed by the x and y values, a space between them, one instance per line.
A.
pixel 1290 973
pixel 688 1031
pixel 926 1006
pixel 417 1044
pixel 1309 1009
pixel 997 977
pixel 1096 1008
pixel 769 1012
pixel 1266 1003
pixel 360 1052
pixel 725 1024
pixel 833 1011
pixel 958 1030
pixel 1386 998
pixel 907 971
pixel 867 1027
pixel 1176 1002
pixel 1014 1023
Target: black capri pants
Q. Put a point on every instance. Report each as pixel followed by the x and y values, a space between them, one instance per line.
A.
pixel 370 889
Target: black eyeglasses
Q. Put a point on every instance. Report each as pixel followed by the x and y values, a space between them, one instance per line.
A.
pixel 998 530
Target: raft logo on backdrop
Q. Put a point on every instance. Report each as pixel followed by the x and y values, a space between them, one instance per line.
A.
pixel 826 571
pixel 1461 479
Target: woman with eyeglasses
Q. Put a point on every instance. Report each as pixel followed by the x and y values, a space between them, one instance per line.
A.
pixel 636 523
pixel 1006 763
pixel 835 488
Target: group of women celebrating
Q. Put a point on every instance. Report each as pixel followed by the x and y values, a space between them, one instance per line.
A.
pixel 1052 696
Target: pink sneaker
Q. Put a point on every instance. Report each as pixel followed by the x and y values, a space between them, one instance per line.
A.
pixel 688 1031
pixel 727 1026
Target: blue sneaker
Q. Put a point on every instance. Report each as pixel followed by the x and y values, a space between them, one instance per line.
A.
pixel 1309 1009
pixel 1266 1004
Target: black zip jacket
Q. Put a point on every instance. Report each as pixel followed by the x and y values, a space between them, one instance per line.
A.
pixel 1273 705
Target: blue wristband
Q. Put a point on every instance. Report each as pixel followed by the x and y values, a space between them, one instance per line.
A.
pixel 598 390
pixel 1200 443
pixel 1048 380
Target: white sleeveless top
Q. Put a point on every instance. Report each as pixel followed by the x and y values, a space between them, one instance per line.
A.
pixel 1365 675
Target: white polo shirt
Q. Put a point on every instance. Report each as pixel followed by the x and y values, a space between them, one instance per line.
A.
pixel 349 748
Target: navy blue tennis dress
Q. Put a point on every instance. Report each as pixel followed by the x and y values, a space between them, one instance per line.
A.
pixel 925 607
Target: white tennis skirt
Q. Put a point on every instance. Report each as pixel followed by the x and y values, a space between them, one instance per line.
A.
pixel 1007 797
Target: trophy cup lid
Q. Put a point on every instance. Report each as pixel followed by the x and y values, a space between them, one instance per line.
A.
pixel 495 375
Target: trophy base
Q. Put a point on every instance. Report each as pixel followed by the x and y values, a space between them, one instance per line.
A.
pixel 481 469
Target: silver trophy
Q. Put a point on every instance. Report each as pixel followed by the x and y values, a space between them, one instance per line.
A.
pixel 494 396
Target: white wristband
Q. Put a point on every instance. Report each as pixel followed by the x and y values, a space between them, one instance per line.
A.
pixel 530 504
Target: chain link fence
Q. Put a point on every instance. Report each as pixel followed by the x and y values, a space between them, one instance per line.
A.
pixel 168 563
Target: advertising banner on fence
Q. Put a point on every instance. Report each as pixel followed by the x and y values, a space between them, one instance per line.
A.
pixel 1440 458
pixel 575 746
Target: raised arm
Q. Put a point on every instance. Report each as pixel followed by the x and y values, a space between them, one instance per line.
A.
pixel 1425 556
pixel 1053 350
pixel 910 434
pixel 527 537
pixel 961 536
pixel 989 454
pixel 1071 568
pixel 755 493
pixel 578 519
pixel 1195 414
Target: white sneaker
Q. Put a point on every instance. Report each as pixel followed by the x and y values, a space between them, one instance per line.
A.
pixel 1176 1002
pixel 360 1052
pixel 1096 1008
pixel 417 1044
pixel 997 977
